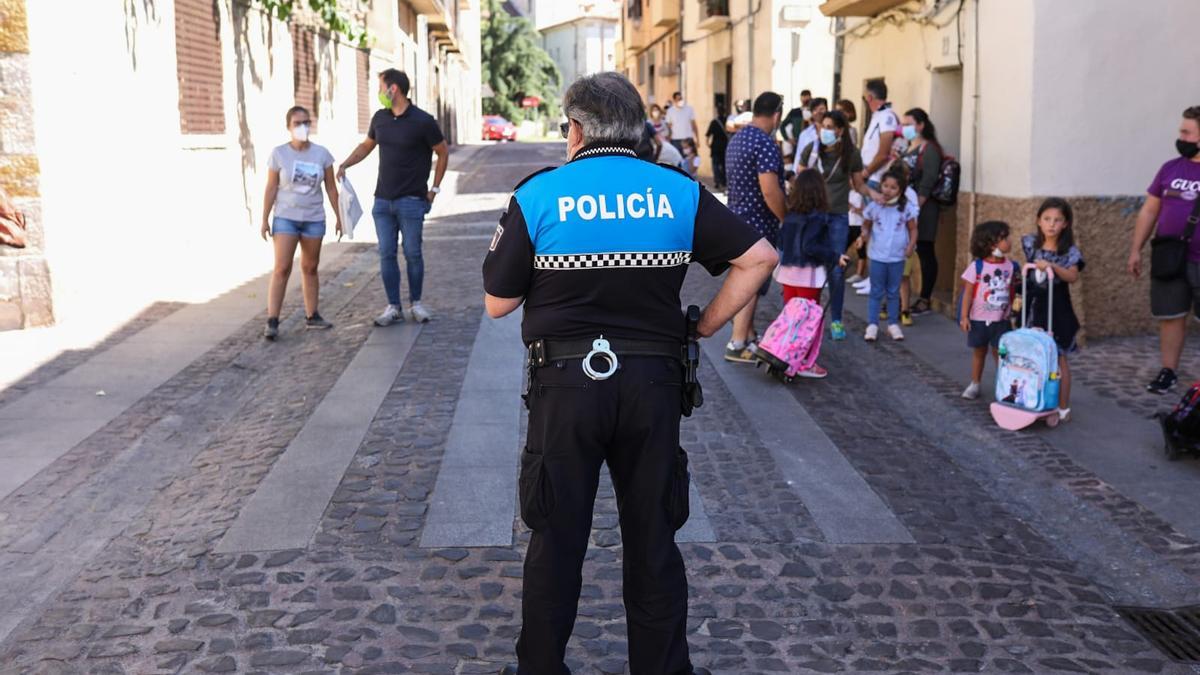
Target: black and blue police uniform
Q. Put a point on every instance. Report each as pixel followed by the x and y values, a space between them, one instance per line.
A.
pixel 598 249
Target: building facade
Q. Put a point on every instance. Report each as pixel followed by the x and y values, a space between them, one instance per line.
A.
pixel 157 192
pixel 581 36
pixel 718 51
pixel 1027 96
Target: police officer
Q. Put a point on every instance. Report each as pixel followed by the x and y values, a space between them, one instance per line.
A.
pixel 597 251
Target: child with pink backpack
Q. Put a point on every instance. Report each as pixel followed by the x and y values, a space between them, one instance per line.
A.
pixel 806 252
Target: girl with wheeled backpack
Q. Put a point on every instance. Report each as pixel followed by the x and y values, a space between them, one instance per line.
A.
pixel 807 253
pixel 1053 248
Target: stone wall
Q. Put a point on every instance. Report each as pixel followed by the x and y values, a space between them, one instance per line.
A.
pixel 1107 301
pixel 25 296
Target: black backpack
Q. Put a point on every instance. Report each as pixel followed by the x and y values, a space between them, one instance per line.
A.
pixel 945 190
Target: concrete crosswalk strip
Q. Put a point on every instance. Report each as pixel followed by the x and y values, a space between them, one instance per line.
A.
pixel 474 500
pixel 287 507
pixel 844 506
pixel 69 408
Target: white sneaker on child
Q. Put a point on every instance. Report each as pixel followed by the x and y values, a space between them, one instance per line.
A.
pixel 895 332
pixel 861 281
pixel 872 333
pixel 853 280
pixel 971 392
pixel 865 289
pixel 1064 414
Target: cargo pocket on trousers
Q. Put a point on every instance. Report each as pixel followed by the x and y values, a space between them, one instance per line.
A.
pixel 678 502
pixel 536 492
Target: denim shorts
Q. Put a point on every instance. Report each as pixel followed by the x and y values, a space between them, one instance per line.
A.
pixel 984 334
pixel 314 229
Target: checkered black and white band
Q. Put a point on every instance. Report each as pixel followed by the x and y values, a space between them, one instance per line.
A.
pixel 587 261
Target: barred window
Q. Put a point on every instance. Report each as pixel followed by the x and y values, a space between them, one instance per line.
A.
pixel 304 71
pixel 198 67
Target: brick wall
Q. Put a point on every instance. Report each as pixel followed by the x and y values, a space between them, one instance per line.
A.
pixel 25 293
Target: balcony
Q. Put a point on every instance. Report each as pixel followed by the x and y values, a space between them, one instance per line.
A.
pixel 714 15
pixel 664 13
pixel 858 7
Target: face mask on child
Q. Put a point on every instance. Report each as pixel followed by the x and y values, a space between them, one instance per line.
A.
pixel 997 253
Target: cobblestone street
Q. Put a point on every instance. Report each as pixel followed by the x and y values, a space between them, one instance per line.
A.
pixel 1008 553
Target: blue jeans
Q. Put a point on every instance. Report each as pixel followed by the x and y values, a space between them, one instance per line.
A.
pixel 839 233
pixel 395 218
pixel 885 278
pixel 307 229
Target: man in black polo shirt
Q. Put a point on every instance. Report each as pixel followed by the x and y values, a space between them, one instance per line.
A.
pixel 407 138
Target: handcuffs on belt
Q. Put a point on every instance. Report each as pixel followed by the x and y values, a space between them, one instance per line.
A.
pixel 600 348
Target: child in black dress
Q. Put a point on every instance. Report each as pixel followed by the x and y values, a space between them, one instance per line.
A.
pixel 1053 247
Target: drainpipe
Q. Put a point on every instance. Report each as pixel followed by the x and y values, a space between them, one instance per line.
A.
pixel 750 43
pixel 975 129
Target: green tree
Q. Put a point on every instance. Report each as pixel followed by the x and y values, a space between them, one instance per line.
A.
pixel 515 65
pixel 330 14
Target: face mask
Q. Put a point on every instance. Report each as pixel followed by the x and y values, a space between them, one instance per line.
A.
pixel 807 114
pixel 893 201
pixel 997 253
pixel 385 99
pixel 828 137
pixel 909 131
pixel 1188 149
pixel 300 133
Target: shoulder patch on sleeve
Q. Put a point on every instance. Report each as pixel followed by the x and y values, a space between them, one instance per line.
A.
pixel 676 170
pixel 533 175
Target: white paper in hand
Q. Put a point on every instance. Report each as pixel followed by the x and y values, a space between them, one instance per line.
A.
pixel 349 208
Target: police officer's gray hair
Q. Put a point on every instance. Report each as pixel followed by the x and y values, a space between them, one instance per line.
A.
pixel 608 108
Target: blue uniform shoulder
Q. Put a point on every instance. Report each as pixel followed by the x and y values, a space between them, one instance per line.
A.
pixel 677 170
pixel 533 175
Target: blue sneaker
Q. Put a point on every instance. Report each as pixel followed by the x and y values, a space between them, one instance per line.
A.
pixel 837 331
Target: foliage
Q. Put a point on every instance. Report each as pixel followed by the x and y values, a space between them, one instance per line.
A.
pixel 515 65
pixel 327 11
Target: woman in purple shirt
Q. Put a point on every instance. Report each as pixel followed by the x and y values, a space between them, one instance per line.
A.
pixel 1170 200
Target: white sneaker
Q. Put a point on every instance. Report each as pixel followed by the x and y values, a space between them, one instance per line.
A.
pixel 895 332
pixel 1064 414
pixel 863 290
pixel 971 392
pixel 389 316
pixel 862 281
pixel 418 313
pixel 872 333
pixel 854 280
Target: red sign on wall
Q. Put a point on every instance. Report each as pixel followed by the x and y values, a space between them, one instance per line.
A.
pixel 530 102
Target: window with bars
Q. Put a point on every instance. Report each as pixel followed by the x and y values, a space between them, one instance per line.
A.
pixel 304 71
pixel 363 74
pixel 198 67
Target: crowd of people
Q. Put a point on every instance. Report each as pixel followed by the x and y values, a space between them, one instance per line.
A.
pixel 876 205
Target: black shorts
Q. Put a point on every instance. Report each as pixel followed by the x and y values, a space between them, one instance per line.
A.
pixel 855 233
pixel 983 334
pixel 1174 299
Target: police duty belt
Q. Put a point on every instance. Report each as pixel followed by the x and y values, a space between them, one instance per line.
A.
pixel 543 352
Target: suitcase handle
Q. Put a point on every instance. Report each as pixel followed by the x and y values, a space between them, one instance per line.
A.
pixel 1025 297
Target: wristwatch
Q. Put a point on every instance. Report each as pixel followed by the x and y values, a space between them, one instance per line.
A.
pixel 435 189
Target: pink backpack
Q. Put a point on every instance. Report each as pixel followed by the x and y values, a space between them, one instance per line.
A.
pixel 793 341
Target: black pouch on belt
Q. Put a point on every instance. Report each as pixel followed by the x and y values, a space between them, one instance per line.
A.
pixel 1169 255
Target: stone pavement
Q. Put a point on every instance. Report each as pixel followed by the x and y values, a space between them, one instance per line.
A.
pixel 1008 555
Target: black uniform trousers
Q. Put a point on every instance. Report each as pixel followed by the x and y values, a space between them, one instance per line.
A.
pixel 630 421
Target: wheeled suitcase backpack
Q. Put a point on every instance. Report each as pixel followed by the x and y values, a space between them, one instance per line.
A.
pixel 1027 381
pixel 793 341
